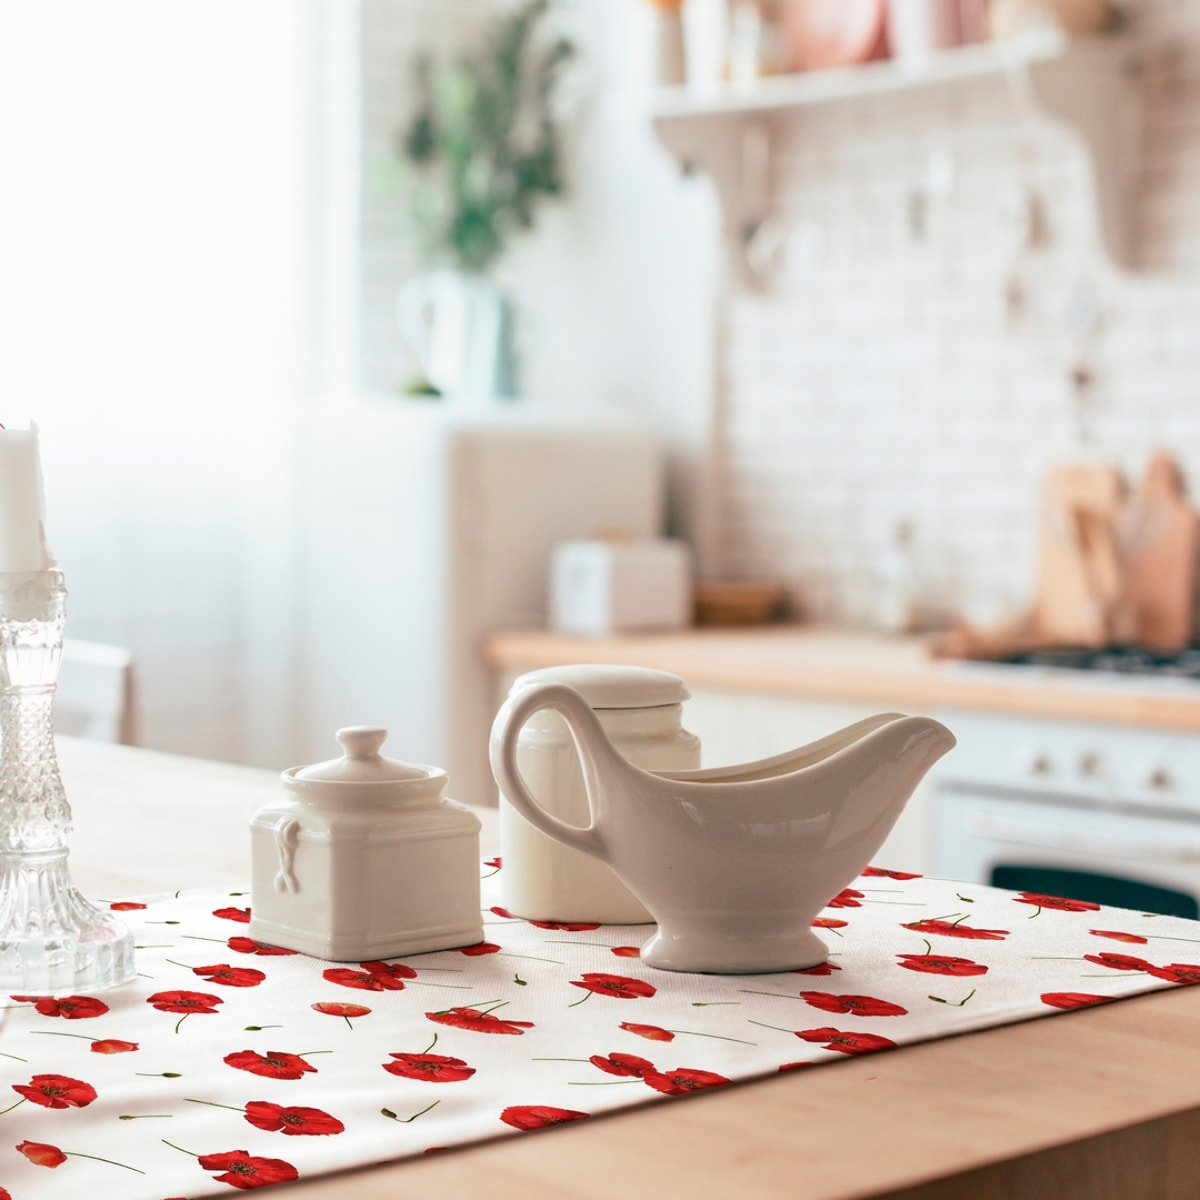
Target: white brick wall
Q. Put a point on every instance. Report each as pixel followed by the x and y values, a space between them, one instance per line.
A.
pixel 887 380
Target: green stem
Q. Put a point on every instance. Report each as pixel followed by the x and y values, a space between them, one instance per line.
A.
pixel 97 1158
pixel 533 957
pixel 457 987
pixel 181 1021
pixel 179 1148
pixel 214 1104
pixel 145 1117
pixel 387 1112
pixel 587 995
pixel 719 1037
pixel 12 1106
pixel 431 1045
pixel 776 1027
pixel 17 1057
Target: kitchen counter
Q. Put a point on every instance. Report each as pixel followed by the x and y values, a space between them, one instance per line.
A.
pixel 815 663
pixel 1097 1104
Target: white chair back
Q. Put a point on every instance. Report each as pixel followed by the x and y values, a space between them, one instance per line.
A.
pixel 95 697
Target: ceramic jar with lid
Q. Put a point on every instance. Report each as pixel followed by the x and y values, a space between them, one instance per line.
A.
pixel 364 858
pixel 640 710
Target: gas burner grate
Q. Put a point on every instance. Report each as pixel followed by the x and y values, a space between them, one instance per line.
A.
pixel 1125 660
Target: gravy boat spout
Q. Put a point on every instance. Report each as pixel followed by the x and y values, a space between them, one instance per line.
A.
pixel 734 862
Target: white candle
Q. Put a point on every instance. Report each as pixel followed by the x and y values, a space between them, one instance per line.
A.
pixel 22 503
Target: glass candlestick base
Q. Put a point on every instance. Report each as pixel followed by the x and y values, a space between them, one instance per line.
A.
pixel 51 939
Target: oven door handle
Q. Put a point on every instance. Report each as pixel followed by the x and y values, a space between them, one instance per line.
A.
pixel 1047 837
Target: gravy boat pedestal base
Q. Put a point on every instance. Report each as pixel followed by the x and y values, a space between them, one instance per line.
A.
pixel 734 952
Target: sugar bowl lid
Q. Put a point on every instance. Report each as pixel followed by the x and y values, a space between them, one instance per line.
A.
pixel 362 772
pixel 607 685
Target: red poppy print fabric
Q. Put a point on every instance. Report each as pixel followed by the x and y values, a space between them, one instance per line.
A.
pixel 234 1065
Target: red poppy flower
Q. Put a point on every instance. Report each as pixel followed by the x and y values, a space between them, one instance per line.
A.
pixel 230 976
pixel 184 1002
pixel 56 1091
pixel 846 898
pixel 246 1171
pixel 241 915
pixel 245 945
pixel 846 1042
pixel 336 1009
pixel 472 1018
pixel 682 1080
pixel 622 1064
pixel 537 1116
pixel 862 1006
pixel 275 1064
pixel 568 926
pixel 290 1119
pixel 1177 972
pixel 880 872
pixel 1118 962
pixel 503 912
pixel 627 951
pixel 652 1032
pixel 112 1046
pixel 374 977
pixel 619 986
pixel 42 1155
pixel 126 906
pixel 495 863
pixel 73 1008
pixel 825 968
pixel 796 1066
pixel 5 1194
pixel 1059 902
pixel 1119 937
pixel 828 923
pixel 433 1068
pixel 479 948
pixel 959 930
pixel 362 980
pixel 1072 999
pixel 387 970
pixel 941 964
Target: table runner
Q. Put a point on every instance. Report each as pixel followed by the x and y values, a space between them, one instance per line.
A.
pixel 231 1064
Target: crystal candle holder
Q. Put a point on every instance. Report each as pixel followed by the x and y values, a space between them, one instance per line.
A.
pixel 51 939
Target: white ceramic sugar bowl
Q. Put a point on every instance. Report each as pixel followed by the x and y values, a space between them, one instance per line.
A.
pixel 365 859
pixel 640 710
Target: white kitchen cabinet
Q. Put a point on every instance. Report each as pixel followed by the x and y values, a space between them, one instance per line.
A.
pixel 739 727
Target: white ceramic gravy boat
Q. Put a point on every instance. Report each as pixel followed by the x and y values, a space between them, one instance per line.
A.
pixel 734 862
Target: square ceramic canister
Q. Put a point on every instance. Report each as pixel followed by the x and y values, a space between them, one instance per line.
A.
pixel 640 710
pixel 364 858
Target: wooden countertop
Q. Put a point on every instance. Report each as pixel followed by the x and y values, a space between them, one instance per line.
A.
pixel 809 662
pixel 1097 1104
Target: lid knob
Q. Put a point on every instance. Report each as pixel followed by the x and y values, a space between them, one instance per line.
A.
pixel 362 743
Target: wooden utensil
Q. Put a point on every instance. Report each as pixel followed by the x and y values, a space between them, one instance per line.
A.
pixel 1159 534
pixel 1079 577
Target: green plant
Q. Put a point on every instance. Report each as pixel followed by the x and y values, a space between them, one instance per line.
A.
pixel 482 145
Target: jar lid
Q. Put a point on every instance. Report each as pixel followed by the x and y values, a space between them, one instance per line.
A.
pixel 606 685
pixel 362 762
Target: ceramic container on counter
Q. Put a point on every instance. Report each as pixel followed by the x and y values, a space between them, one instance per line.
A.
pixel 640 712
pixel 364 858
pixel 734 863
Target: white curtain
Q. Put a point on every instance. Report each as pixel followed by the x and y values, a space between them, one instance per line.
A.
pixel 159 250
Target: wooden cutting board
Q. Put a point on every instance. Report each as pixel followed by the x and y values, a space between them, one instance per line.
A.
pixel 1079 561
pixel 1159 534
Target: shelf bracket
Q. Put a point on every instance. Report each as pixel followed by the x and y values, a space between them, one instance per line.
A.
pixel 738 160
pixel 1102 105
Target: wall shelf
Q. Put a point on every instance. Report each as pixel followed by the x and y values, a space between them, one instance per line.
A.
pixel 1087 84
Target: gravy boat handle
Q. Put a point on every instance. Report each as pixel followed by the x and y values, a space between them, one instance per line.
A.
pixel 587 733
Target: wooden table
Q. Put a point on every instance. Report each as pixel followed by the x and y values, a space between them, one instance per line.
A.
pixel 1099 1104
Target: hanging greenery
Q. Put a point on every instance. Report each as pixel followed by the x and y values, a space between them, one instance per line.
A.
pixel 482 145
